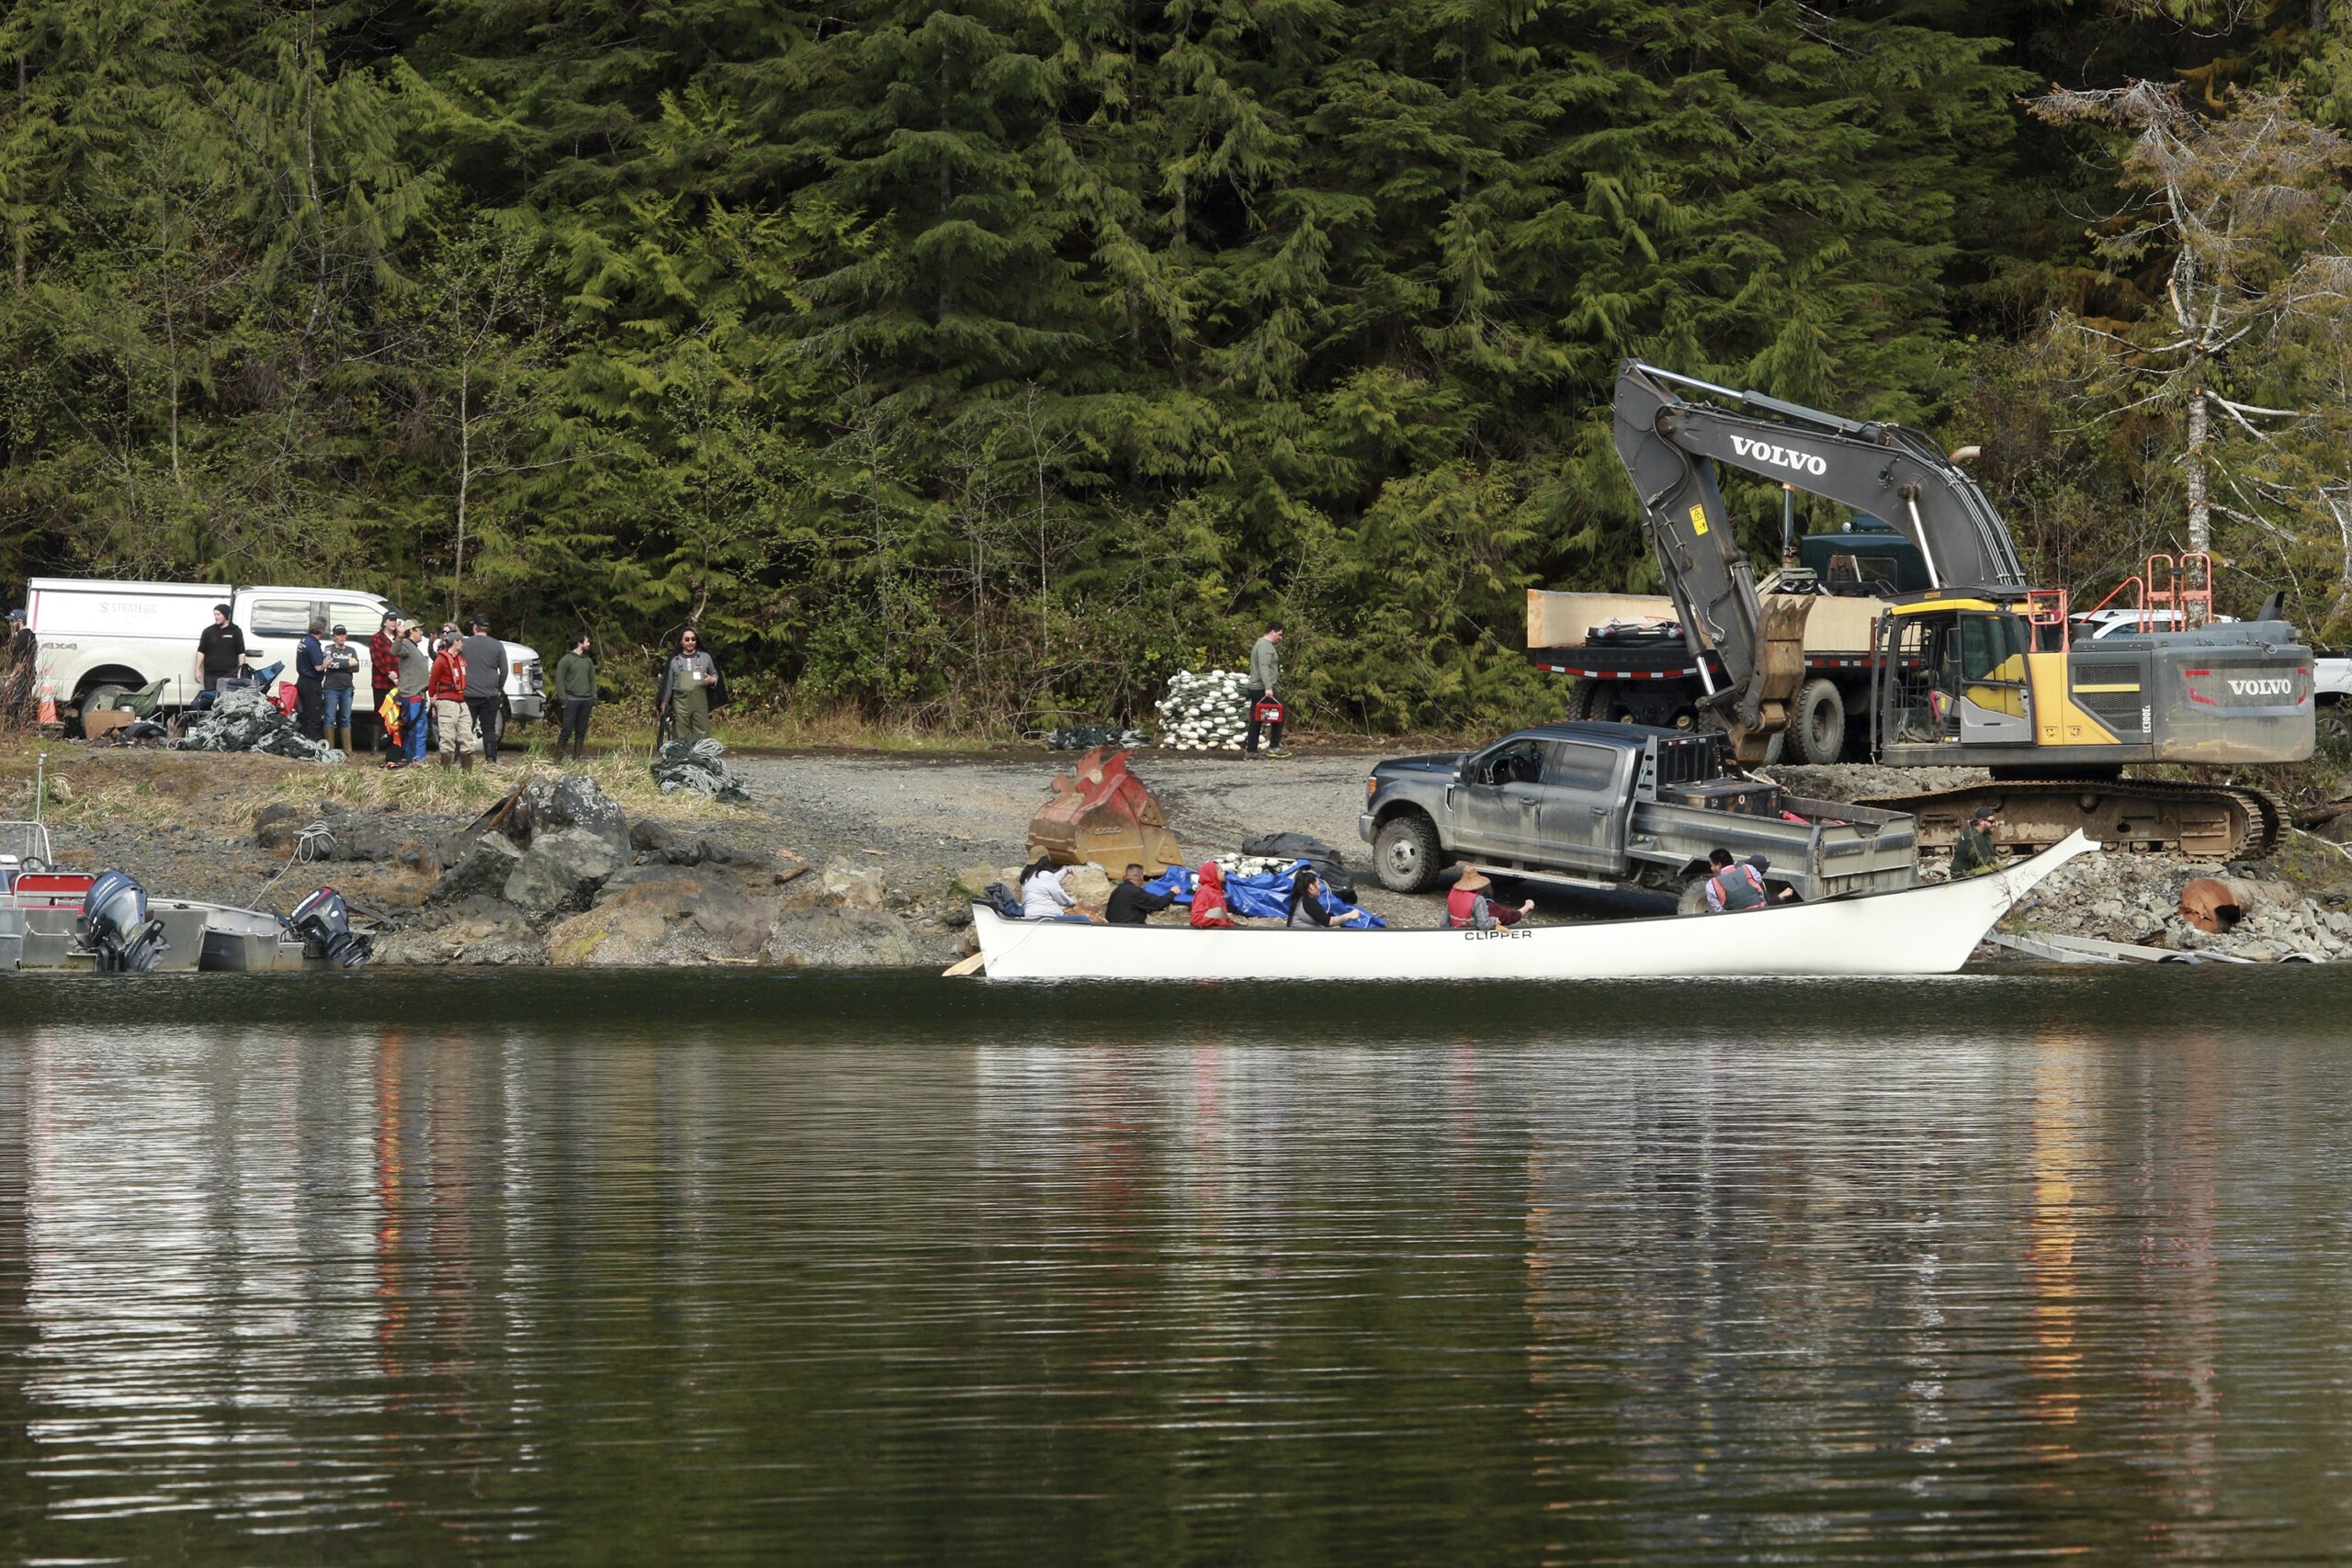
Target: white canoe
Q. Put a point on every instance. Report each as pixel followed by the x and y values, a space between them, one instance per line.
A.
pixel 1919 930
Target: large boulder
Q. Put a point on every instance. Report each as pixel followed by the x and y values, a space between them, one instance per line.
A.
pixel 483 933
pixel 851 886
pixel 1088 885
pixel 693 916
pixel 484 867
pixel 561 870
pixel 842 939
pixel 550 804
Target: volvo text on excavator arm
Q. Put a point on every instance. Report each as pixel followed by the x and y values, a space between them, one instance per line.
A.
pixel 1670 444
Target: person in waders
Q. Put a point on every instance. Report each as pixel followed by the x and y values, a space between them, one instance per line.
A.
pixel 688 684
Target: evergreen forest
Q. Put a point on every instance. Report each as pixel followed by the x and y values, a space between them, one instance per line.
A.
pixel 975 364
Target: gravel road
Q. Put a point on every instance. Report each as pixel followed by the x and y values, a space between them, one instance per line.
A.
pixel 923 819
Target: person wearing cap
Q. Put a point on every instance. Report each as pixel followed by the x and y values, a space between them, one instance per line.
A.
pixel 486 686
pixel 337 670
pixel 416 696
pixel 310 680
pixel 1975 853
pixel 460 740
pixel 219 652
pixel 1470 907
pixel 384 671
pixel 689 681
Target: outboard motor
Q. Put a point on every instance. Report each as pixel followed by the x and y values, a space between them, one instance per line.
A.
pixel 114 926
pixel 324 923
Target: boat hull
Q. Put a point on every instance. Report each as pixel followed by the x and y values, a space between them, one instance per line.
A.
pixel 1917 930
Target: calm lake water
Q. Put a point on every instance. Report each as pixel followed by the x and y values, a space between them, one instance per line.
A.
pixel 725 1266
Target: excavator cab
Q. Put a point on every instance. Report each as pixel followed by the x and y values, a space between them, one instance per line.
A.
pixel 1954 671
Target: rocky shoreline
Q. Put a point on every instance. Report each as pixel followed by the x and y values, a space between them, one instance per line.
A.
pixel 866 861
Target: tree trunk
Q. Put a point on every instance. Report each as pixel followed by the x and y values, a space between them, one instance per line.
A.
pixel 2200 511
pixel 465 480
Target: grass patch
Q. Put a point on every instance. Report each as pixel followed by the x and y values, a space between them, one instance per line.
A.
pixel 220 792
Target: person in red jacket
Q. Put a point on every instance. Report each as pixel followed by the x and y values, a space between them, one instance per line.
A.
pixel 460 739
pixel 1208 900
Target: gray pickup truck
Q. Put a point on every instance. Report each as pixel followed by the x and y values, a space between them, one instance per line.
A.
pixel 1619 804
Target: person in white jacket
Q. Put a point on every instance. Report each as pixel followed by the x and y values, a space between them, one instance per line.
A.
pixel 1042 897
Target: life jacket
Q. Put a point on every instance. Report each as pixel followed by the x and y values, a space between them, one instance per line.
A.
pixel 1467 908
pixel 1740 888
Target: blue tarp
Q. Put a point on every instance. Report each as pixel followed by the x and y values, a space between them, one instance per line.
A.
pixel 1263 896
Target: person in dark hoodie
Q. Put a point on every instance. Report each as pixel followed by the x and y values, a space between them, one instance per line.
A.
pixel 310 673
pixel 1131 902
pixel 485 658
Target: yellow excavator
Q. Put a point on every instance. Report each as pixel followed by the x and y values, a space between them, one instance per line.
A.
pixel 1974 669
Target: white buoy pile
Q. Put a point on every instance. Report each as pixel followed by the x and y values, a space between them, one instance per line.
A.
pixel 1203 712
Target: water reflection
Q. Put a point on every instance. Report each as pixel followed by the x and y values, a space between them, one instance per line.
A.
pixel 564 1285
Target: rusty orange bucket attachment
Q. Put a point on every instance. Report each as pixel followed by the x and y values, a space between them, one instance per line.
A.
pixel 1102 813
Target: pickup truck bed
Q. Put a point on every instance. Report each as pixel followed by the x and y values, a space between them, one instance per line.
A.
pixel 1620 804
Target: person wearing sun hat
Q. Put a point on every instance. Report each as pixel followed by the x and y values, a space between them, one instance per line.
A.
pixel 1470 907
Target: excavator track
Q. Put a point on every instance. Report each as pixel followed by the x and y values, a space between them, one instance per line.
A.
pixel 2216 821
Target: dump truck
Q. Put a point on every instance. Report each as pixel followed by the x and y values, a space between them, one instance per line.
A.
pixel 1912 638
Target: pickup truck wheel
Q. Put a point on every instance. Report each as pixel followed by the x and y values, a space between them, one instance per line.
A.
pixel 1694 898
pixel 1819 722
pixel 1404 853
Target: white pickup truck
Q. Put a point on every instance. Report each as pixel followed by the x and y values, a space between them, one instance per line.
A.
pixel 103 639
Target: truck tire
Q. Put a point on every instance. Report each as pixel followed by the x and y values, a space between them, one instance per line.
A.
pixel 1581 701
pixel 1693 898
pixel 1404 853
pixel 1818 723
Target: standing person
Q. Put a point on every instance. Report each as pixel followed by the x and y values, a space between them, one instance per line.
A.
pixel 336 673
pixel 310 662
pixel 384 670
pixel 485 658
pixel 1132 904
pixel 1975 853
pixel 688 683
pixel 415 677
pixel 451 711
pixel 219 652
pixel 1470 907
pixel 575 688
pixel 1265 670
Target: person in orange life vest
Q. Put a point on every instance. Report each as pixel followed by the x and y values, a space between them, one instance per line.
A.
pixel 1469 901
pixel 1208 899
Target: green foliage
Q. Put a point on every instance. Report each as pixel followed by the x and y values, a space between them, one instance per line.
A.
pixel 974 362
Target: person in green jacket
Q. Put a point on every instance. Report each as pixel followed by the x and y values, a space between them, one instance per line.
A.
pixel 1265 668
pixel 575 688
pixel 1975 853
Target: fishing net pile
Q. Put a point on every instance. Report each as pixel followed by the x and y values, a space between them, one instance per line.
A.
pixel 1203 712
pixel 694 767
pixel 249 721
pixel 1086 737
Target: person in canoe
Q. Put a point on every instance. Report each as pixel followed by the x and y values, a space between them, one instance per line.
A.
pixel 1042 897
pixel 1470 907
pixel 1306 910
pixel 1208 899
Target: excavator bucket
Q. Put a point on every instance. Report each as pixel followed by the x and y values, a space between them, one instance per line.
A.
pixel 1779 672
pixel 1102 813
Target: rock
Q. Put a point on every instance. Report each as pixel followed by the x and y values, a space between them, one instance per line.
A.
pixel 1088 884
pixel 570 800
pixel 651 835
pixel 851 886
pixel 693 916
pixel 561 870
pixel 972 882
pixel 842 939
pixel 277 827
pixel 483 868
pixel 420 858
pixel 363 839
pixel 472 940
pixel 956 917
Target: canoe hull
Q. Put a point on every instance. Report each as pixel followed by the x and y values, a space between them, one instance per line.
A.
pixel 1918 930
